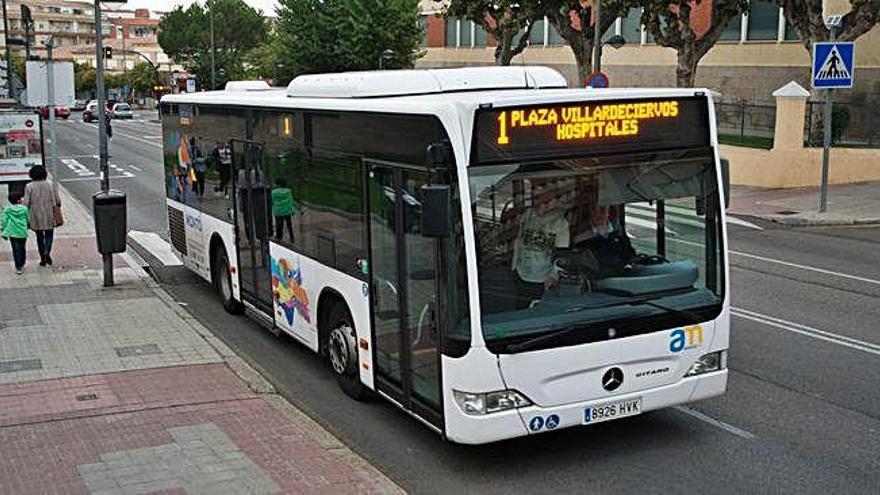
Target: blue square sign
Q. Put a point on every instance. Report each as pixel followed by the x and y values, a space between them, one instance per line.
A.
pixel 833 64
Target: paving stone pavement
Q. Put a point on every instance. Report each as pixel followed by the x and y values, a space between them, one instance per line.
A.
pixel 118 390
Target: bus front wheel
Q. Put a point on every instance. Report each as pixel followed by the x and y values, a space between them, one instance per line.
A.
pixel 342 352
pixel 222 280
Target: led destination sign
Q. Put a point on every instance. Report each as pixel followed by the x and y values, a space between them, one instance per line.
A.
pixel 591 128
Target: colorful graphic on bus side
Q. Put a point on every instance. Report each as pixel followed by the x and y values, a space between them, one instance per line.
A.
pixel 21 145
pixel 287 290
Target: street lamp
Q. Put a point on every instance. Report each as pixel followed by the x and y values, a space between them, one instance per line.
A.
pixel 386 55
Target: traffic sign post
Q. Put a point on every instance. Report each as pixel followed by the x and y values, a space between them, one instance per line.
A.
pixel 833 67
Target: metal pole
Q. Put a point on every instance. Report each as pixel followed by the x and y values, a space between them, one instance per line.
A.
pixel 50 91
pixel 9 77
pixel 597 36
pixel 124 64
pixel 826 151
pixel 102 127
pixel 585 55
pixel 211 12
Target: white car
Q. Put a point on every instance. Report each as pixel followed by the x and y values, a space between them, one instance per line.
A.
pixel 121 111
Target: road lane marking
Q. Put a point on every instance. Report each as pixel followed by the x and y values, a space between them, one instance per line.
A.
pixel 716 422
pixel 135 167
pixel 76 167
pixel 808 331
pixel 807 267
pixel 742 223
pixel 136 138
pixel 124 175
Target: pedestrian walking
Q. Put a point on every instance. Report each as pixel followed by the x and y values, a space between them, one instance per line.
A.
pixel 14 228
pixel 44 205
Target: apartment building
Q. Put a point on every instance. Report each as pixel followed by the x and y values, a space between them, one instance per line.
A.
pixel 69 22
pixel 757 53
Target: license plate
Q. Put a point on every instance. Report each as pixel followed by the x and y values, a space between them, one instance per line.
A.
pixel 612 410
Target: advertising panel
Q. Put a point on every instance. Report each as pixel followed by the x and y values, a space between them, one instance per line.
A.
pixel 21 145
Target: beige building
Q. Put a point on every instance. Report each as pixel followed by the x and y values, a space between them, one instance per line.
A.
pixel 757 54
pixel 69 22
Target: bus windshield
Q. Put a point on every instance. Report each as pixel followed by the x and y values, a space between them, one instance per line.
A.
pixel 571 251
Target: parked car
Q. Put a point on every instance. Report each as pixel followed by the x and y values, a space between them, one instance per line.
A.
pixel 121 111
pixel 90 114
pixel 79 105
pixel 60 113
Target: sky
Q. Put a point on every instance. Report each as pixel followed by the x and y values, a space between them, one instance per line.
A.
pixel 267 6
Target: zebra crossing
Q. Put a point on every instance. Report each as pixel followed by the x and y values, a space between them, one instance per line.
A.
pixel 645 215
pixel 82 172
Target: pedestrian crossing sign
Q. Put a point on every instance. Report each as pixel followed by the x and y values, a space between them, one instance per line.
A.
pixel 833 64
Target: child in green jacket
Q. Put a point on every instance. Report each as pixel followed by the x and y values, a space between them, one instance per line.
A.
pixel 15 227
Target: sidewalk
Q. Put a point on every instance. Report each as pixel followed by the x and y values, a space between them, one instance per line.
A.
pixel 850 204
pixel 120 390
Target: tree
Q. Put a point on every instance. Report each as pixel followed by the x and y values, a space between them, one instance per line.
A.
pixel 343 35
pixel 669 22
pixel 142 78
pixel 185 35
pixel 805 17
pixel 84 79
pixel 565 17
pixel 509 22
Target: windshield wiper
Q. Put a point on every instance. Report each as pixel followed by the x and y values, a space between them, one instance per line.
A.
pixel 533 342
pixel 690 316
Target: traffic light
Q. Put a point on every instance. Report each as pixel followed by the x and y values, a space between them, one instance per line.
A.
pixel 108 52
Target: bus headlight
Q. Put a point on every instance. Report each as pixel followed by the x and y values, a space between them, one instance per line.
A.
pixel 478 404
pixel 707 363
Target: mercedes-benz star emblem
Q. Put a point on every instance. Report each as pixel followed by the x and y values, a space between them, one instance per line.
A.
pixel 612 379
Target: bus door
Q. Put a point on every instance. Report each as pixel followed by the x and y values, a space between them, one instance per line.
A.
pixel 252 217
pixel 404 284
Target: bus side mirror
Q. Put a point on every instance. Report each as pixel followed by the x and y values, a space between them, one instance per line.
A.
pixel 725 181
pixel 439 154
pixel 435 211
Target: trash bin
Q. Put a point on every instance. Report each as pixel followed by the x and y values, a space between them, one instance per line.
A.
pixel 111 221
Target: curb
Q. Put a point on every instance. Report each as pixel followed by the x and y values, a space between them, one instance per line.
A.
pixel 796 221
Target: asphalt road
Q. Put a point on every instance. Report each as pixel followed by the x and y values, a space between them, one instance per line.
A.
pixel 801 415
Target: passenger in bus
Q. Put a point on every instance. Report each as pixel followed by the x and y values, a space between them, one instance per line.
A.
pixel 200 166
pixel 542 230
pixel 221 157
pixel 282 208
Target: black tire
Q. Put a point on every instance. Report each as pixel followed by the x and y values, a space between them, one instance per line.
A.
pixel 222 280
pixel 342 353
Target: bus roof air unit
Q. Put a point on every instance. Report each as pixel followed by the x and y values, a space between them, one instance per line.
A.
pixel 370 84
pixel 247 86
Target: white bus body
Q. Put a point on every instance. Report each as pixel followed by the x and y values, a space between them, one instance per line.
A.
pixel 417 319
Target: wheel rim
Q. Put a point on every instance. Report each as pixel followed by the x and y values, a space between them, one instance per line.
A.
pixel 225 284
pixel 339 349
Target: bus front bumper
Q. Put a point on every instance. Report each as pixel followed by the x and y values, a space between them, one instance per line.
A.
pixel 535 419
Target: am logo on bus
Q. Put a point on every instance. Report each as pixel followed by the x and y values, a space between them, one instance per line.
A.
pixel 686 338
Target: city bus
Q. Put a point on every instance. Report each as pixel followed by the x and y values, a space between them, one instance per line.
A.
pixel 493 252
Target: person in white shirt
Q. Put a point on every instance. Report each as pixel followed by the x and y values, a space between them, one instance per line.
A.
pixel 542 230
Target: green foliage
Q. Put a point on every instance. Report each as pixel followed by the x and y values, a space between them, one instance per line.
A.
pixel 508 21
pixel 142 77
pixel 185 35
pixel 343 35
pixel 84 79
pixel 840 120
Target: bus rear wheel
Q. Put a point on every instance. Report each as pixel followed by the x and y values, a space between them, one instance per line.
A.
pixel 222 280
pixel 342 352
